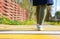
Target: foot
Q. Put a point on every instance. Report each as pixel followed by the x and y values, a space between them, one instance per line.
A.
pixel 40 27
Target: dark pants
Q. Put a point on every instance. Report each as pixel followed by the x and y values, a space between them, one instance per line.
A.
pixel 41 12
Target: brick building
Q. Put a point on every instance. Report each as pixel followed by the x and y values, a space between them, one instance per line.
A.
pixel 12 10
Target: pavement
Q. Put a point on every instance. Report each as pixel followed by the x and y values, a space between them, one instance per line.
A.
pixel 29 27
pixel 51 27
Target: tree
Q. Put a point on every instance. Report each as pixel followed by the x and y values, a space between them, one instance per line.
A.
pixel 57 13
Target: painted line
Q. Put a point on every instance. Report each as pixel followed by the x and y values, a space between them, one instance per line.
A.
pixel 31 32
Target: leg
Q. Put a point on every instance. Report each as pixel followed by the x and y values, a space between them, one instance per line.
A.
pixel 48 16
pixel 41 14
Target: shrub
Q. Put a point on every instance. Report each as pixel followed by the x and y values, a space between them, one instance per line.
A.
pixel 4 20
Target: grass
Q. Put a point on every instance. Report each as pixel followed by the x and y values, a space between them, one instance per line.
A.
pixel 52 23
pixel 4 20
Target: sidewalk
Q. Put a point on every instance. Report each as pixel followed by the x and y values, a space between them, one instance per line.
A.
pixel 29 27
pixel 51 27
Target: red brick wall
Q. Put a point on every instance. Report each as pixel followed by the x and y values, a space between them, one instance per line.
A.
pixel 12 10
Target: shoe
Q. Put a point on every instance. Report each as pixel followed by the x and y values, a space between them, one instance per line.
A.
pixel 40 27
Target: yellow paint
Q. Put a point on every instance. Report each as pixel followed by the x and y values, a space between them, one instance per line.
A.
pixel 25 36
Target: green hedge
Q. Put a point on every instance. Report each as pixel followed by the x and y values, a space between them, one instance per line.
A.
pixel 52 23
pixel 4 20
